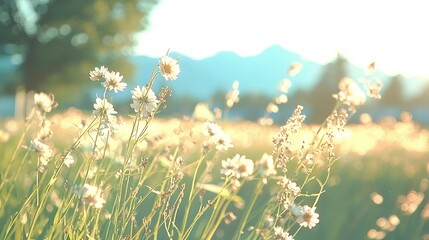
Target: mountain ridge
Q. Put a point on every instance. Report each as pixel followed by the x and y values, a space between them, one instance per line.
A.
pixel 257 74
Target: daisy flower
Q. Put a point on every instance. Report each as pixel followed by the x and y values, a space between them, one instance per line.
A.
pixel 102 106
pixel 169 68
pixel 238 166
pixel 222 142
pixel 144 101
pixel 305 215
pixel 228 167
pixel 114 81
pixel 98 73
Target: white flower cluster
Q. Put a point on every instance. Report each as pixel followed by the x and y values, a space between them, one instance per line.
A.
pixel 281 234
pixel 305 216
pixel 217 136
pixel 289 186
pixel 238 166
pixel 45 153
pixel 98 73
pixel 44 102
pixel 113 80
pixel 90 195
pixel 350 94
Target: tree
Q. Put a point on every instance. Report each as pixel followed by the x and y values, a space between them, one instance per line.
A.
pixel 393 95
pixel 59 41
pixel 321 101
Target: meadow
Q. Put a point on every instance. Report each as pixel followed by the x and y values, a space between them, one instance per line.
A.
pixel 109 175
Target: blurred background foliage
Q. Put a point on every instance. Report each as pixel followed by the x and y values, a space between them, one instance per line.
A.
pixel 57 41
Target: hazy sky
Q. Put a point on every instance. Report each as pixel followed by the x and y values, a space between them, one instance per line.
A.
pixel 393 33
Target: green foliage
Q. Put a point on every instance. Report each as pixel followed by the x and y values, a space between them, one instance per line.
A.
pixel 60 40
pixel 320 100
pixel 393 93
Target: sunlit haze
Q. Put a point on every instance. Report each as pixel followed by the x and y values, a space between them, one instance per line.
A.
pixel 392 33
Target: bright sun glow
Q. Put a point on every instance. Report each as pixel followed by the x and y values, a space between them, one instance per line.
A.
pixel 389 32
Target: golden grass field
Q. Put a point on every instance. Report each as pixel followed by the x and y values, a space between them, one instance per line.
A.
pixel 377 190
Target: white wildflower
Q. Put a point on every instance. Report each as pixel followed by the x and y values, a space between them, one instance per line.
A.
pixel 212 129
pixel 350 94
pixel 45 153
pixel 238 166
pixel 266 165
pixel 222 142
pixel 217 136
pixel 228 167
pixel 169 68
pixel 289 186
pixel 68 160
pixel 305 215
pixel 90 195
pixel 114 81
pixel 98 73
pixel 144 101
pixel 44 102
pixel 102 106
pixel 280 233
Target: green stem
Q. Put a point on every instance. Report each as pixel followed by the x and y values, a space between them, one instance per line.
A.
pixel 197 217
pixel 15 152
pixel 219 217
pixel 217 208
pixel 190 198
pixel 52 182
pixel 168 175
pixel 249 210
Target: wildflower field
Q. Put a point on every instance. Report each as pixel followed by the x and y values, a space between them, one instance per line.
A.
pixel 113 175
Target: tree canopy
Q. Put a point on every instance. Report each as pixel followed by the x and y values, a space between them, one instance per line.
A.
pixel 320 100
pixel 393 93
pixel 59 41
